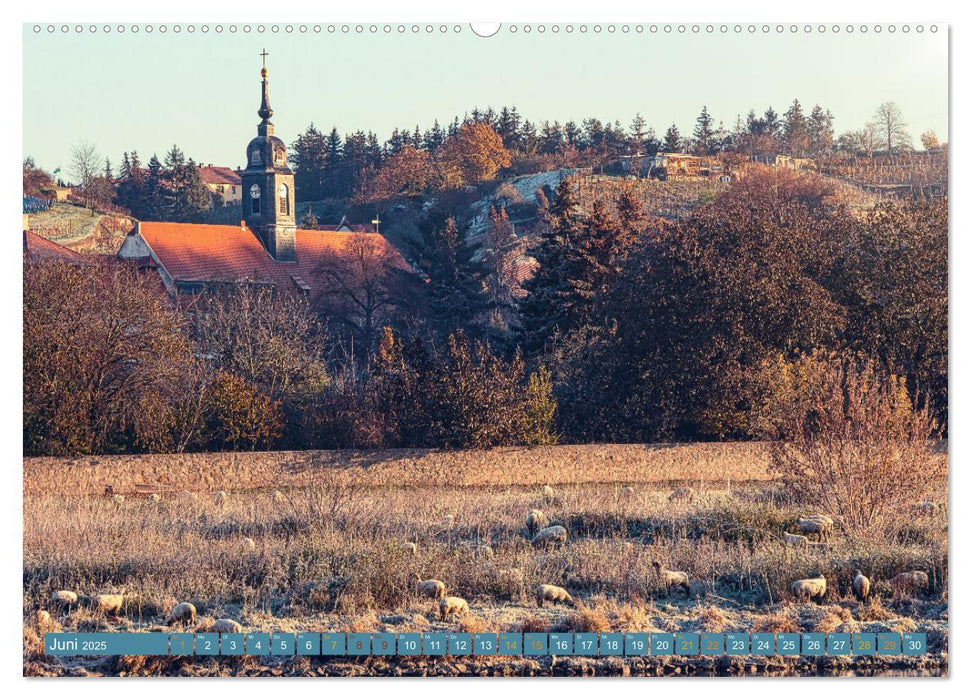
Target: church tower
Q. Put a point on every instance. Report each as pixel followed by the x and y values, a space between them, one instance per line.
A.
pixel 268 194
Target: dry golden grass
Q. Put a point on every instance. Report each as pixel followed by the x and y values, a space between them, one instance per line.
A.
pixel 328 557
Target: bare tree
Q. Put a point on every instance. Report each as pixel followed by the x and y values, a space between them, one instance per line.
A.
pixel 889 120
pixel 85 166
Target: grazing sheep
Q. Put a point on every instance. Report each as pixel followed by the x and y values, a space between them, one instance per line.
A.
pixel 154 499
pixel 536 520
pixel 221 498
pixel 409 548
pixel 549 495
pixel 184 613
pixel 449 521
pixel 627 492
pixel 118 500
pixel 672 579
pixel 247 545
pixel 685 494
pixel 861 585
pixel 792 540
pixel 226 626
pixel 279 497
pixel 64 599
pixel 549 536
pixel 452 606
pixel 429 588
pixel 809 588
pixel 554 594
pixel 819 525
pixel 108 603
pixel 909 582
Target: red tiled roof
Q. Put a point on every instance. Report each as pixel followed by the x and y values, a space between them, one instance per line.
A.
pixel 39 248
pixel 206 253
pixel 217 175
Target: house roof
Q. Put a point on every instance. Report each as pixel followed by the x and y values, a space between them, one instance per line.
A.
pixel 39 248
pixel 207 253
pixel 218 175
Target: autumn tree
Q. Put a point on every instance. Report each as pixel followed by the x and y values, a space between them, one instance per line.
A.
pixel 476 151
pixel 407 173
pixel 98 340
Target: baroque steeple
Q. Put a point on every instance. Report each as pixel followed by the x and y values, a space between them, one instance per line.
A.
pixel 269 205
pixel 266 126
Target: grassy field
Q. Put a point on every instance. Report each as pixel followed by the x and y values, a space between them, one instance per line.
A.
pixel 81 229
pixel 324 553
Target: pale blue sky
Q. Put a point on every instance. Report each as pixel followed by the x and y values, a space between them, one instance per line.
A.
pixel 146 91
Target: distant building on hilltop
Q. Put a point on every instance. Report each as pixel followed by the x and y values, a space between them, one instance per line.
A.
pixel 224 182
pixel 266 248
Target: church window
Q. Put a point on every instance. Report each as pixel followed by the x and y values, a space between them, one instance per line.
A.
pixel 284 199
pixel 255 157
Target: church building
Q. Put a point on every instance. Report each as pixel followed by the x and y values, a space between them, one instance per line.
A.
pixel 265 248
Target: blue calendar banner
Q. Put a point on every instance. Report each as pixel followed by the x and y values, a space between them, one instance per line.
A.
pixel 459 644
pixel 686 644
pixel 662 644
pixel 283 643
pixel 485 644
pixel 637 644
pixel 712 644
pixel 864 644
pixel 333 644
pixel 358 644
pixel 611 644
pixel 106 644
pixel 788 644
pixel 257 644
pixel 736 644
pixel 231 644
pixel 535 644
pixel 409 644
pixel 182 644
pixel 838 644
pixel 434 643
pixel 561 643
pixel 308 644
pixel 813 644
pixel 888 643
pixel 586 644
pixel 915 643
pixel 383 644
pixel 511 644
pixel 763 644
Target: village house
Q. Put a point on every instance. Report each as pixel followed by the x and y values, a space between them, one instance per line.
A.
pixel 224 182
pixel 266 247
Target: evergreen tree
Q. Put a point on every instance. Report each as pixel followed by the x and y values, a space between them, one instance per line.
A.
pixel 308 158
pixel 704 133
pixel 795 131
pixel 456 291
pixel 672 139
pixel 638 133
pixel 820 131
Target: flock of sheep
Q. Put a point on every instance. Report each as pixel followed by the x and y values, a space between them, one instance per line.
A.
pixel 542 535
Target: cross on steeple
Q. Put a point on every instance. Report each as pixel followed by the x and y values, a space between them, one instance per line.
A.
pixel 264 54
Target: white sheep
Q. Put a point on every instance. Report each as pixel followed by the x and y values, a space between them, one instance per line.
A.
pixel 861 585
pixel 64 599
pixel 108 603
pixel 408 548
pixel 224 625
pixel 909 582
pixel 819 525
pixel 685 494
pixel 247 545
pixel 548 536
pixel 553 594
pixel 184 613
pixel 44 620
pixel 452 605
pixel 672 579
pixel 549 495
pixel 536 520
pixel 118 500
pixel 154 499
pixel 429 588
pixel 792 540
pixel 279 497
pixel 627 492
pixel 448 521
pixel 809 588
pixel 221 498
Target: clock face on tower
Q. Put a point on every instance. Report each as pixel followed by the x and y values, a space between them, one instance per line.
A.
pixel 254 191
